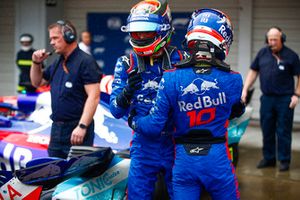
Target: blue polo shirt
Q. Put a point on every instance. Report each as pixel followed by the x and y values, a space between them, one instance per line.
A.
pixel 68 95
pixel 276 78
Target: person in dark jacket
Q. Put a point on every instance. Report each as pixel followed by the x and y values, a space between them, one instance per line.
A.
pixel 24 62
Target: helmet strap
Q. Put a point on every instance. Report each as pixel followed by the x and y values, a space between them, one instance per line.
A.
pixel 151 61
pixel 166 62
pixel 140 63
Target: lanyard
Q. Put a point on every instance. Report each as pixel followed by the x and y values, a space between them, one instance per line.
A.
pixel 277 57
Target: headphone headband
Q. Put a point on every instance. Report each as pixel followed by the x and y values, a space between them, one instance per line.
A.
pixel 61 22
pixel 68 31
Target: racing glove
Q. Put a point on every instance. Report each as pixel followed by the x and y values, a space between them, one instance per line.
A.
pixel 134 83
pixel 131 119
pixel 237 110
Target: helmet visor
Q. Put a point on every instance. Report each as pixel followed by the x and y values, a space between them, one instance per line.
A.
pixel 142 26
pixel 143 35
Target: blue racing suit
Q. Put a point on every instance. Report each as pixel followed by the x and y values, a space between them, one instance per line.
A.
pixel 200 104
pixel 149 155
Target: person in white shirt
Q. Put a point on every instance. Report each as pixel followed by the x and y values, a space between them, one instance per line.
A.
pixel 85 42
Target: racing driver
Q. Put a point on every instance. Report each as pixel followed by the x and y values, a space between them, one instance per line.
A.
pixel 136 80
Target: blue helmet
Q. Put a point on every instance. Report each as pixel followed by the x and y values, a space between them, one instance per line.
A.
pixel 149 16
pixel 211 25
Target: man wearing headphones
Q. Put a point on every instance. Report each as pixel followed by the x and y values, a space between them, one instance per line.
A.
pixel 74 79
pixel 276 66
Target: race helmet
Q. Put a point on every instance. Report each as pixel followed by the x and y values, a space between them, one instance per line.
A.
pixel 149 26
pixel 26 37
pixel 213 26
pixel 26 41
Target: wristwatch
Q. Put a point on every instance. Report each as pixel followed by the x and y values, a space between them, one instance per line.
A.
pixel 83 126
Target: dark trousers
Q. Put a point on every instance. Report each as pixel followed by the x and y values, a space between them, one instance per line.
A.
pixel 276 119
pixel 60 139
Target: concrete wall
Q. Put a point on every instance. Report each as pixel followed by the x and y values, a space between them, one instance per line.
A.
pixel 8 79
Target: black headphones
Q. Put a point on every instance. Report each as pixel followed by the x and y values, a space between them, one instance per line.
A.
pixel 67 31
pixel 283 36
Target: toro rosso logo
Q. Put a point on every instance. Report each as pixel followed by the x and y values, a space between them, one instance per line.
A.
pixel 204 86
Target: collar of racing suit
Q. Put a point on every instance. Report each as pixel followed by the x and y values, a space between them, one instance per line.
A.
pixel 166 60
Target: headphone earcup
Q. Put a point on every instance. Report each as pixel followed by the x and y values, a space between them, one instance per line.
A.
pixel 69 36
pixel 283 37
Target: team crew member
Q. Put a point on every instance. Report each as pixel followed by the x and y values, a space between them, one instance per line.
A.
pixel 74 79
pixel 85 42
pixel 135 85
pixel 24 62
pixel 276 65
pixel 201 93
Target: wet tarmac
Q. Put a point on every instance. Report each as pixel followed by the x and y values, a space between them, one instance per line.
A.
pixel 268 183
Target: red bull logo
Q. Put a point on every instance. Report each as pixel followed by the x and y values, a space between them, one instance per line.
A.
pixel 202 102
pixel 204 86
